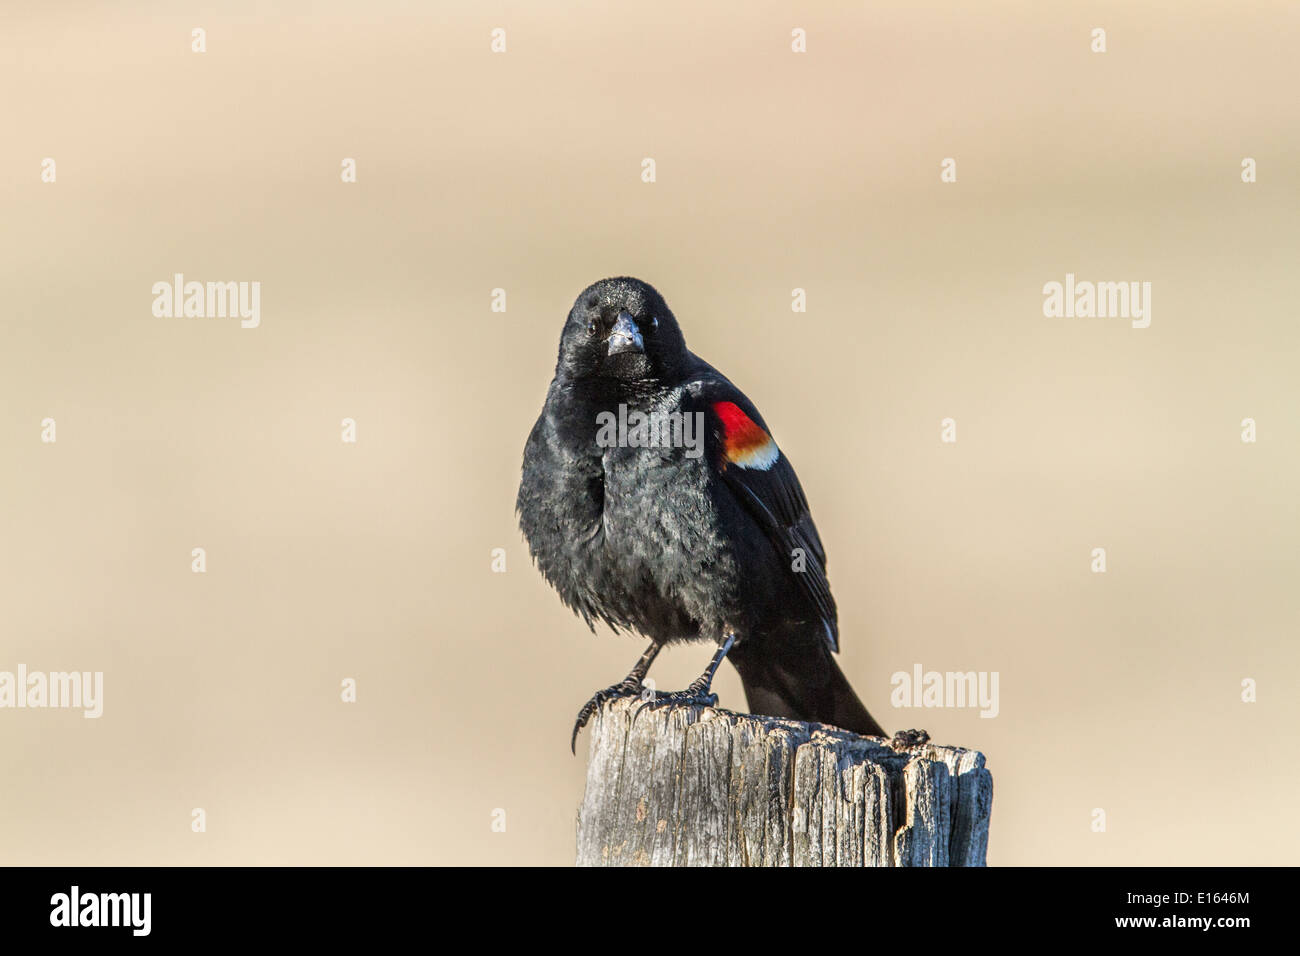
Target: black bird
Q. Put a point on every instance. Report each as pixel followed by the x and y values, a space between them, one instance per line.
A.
pixel 654 499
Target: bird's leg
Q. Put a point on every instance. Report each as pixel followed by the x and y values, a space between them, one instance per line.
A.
pixel 629 686
pixel 698 692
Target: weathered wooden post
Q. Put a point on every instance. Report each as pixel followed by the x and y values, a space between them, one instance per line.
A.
pixel 698 786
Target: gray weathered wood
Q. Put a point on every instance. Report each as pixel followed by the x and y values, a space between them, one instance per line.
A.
pixel 698 786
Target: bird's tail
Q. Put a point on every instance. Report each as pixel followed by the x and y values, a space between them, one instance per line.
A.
pixel 796 676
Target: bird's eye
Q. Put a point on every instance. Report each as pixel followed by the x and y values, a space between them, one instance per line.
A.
pixel 654 321
pixel 591 327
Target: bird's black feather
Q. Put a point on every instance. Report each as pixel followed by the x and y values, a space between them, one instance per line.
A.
pixel 686 541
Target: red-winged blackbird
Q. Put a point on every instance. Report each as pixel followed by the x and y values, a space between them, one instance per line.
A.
pixel 654 499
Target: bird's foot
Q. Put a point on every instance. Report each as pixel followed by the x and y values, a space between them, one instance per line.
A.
pixel 627 687
pixel 697 694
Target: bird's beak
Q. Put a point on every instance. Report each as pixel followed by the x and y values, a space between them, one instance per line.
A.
pixel 625 336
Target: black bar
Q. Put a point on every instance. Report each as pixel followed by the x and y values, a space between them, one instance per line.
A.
pixel 204 905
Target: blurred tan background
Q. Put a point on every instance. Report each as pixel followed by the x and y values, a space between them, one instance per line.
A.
pixel 522 171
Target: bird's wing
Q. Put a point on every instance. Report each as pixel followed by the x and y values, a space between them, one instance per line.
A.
pixel 764 482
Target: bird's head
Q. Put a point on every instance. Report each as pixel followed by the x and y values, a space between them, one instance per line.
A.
pixel 622 331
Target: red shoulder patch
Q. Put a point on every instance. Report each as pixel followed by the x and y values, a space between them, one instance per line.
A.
pixel 745 442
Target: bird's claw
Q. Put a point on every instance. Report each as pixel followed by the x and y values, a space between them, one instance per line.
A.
pixel 628 687
pixel 695 695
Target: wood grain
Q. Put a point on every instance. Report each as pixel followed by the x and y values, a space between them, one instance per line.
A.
pixel 699 786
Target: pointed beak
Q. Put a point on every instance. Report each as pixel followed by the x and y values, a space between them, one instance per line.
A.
pixel 625 336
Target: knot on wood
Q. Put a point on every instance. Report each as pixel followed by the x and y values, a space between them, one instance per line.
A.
pixel 699 786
